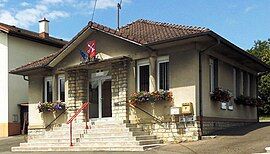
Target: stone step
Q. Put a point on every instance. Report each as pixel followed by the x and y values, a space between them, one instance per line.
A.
pixel 62 132
pixel 121 129
pixel 150 146
pixel 55 144
pixel 53 140
pixel 78 148
pixel 103 134
pixel 145 137
pixel 108 143
pixel 109 138
pixel 148 142
pixel 134 133
pixel 62 135
pixel 139 133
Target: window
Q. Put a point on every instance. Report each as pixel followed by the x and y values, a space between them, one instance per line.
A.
pixel 213 74
pixel 163 73
pixel 48 89
pixel 143 75
pixel 248 84
pixel 61 88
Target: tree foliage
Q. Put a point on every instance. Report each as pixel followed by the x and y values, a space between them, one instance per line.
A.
pixel 261 49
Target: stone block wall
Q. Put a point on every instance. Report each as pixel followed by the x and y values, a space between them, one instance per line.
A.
pixel 119 90
pixel 77 91
pixel 173 131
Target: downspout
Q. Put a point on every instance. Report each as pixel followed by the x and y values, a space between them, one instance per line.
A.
pixel 200 82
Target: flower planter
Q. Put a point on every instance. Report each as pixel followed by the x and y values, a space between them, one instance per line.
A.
pixel 49 107
pixel 248 101
pixel 154 97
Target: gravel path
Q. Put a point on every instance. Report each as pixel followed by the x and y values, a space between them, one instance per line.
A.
pixel 248 139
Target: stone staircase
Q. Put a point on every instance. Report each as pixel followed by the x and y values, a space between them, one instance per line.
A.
pixel 103 136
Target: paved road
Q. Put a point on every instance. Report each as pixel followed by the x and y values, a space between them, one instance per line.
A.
pixel 249 139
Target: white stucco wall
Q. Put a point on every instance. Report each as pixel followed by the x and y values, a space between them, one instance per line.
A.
pixel 4 78
pixel 20 52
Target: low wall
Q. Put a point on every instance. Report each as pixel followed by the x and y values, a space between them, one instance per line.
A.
pixel 168 127
pixel 213 124
pixel 173 131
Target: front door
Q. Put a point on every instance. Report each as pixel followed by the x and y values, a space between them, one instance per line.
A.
pixel 100 96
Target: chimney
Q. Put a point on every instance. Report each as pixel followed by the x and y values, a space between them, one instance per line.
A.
pixel 44 28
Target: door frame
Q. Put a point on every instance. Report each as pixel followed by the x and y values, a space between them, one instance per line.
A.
pixel 99 80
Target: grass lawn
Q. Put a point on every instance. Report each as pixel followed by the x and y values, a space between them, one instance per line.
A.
pixel 264 118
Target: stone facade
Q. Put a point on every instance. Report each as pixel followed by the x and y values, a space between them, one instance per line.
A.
pixel 173 131
pixel 77 91
pixel 119 90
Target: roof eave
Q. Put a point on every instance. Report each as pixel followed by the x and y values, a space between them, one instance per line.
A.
pixel 36 39
pixel 241 51
pixel 23 72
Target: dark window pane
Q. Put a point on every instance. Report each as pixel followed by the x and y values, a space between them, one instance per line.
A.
pixel 62 89
pixel 167 76
pixel 49 91
pixel 164 76
pixel 215 73
pixel 144 78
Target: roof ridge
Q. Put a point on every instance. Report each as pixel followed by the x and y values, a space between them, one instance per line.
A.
pixel 165 24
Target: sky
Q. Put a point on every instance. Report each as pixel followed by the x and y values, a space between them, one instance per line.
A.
pixel 240 21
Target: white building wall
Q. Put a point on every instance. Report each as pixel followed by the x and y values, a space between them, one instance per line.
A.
pixel 3 84
pixel 21 52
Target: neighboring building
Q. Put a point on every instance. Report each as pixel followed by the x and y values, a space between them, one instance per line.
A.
pixel 19 46
pixel 148 56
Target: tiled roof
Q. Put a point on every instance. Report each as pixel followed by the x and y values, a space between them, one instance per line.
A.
pixel 33 36
pixel 147 32
pixel 141 32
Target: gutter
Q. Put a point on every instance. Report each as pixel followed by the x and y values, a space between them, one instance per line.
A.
pixel 25 79
pixel 200 81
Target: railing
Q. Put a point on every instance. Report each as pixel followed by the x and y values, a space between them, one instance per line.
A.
pixel 154 117
pixel 83 107
pixel 56 118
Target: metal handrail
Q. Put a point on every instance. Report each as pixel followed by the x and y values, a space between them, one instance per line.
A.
pixel 156 119
pixel 56 118
pixel 83 107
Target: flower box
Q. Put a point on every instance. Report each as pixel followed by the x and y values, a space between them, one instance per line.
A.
pixel 47 107
pixel 249 101
pixel 221 95
pixel 147 97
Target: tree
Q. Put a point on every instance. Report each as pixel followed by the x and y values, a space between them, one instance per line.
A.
pixel 261 49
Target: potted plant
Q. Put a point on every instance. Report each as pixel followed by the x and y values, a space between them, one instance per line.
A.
pixel 44 107
pixel 221 95
pixel 249 101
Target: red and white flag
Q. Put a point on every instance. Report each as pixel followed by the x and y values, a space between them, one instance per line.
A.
pixel 91 49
